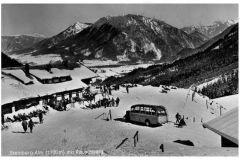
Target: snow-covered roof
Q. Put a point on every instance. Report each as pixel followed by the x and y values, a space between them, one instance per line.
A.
pixel 43 74
pixel 81 72
pixel 19 74
pixel 225 125
pixel 13 90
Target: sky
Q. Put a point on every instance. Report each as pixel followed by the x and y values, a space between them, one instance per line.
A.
pixel 50 19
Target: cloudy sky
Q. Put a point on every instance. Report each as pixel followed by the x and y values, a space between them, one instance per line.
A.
pixel 50 19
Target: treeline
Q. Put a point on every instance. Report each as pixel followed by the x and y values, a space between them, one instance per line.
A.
pixel 225 86
pixel 198 68
pixel 184 72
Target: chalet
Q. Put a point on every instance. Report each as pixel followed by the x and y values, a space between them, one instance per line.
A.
pixel 227 127
pixel 18 94
pixel 46 77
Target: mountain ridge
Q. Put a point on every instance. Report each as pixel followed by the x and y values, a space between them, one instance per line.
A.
pixel 122 38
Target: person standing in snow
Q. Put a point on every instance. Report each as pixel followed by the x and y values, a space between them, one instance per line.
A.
pixel 127 88
pixel 117 101
pixel 177 117
pixel 24 125
pixel 30 125
pixel 194 92
pixel 113 102
pixel 40 117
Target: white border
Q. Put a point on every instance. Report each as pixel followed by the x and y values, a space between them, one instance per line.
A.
pixel 116 2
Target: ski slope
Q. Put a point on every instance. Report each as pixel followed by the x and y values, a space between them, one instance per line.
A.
pixel 77 128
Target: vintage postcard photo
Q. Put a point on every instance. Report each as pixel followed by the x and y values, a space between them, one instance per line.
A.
pixel 142 79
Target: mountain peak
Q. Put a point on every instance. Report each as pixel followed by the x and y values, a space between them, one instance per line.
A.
pixel 210 30
pixel 76 27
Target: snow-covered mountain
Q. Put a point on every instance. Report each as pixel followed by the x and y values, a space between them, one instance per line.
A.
pixel 214 40
pixel 121 38
pixel 19 42
pixel 214 58
pixel 72 30
pixel 199 35
pixel 210 30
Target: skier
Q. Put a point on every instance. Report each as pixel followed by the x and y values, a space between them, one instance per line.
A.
pixel 40 117
pixel 30 125
pixel 117 101
pixel 24 125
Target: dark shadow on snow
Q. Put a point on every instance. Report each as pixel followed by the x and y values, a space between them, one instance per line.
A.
pixel 19 132
pixel 136 123
pixel 185 142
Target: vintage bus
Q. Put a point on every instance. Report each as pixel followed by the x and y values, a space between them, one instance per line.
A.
pixel 148 114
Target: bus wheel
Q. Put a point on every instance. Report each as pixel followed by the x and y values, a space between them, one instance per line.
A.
pixel 147 123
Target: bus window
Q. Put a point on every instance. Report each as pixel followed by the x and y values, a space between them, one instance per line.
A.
pixel 161 112
pixel 142 110
pixel 136 109
pixel 147 110
pixel 153 112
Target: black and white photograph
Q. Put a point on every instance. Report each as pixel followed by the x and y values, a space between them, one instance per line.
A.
pixel 119 79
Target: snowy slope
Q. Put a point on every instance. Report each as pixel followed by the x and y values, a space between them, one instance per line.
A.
pixel 77 129
pixel 228 102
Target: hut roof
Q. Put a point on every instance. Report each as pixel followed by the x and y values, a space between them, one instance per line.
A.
pixel 43 74
pixel 225 125
pixel 12 90
pixel 18 74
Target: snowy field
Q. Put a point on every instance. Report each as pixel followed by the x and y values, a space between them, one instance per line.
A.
pixel 37 60
pixel 117 71
pixel 76 130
